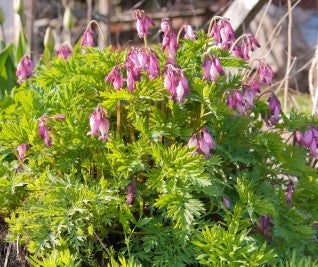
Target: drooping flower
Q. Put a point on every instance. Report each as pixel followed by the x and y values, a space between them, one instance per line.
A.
pixel 299 138
pixel 223 33
pixel 212 68
pixel 131 191
pixel 215 33
pixel 264 224
pixel 189 34
pixel 237 51
pixel 245 51
pixel 226 33
pixel 64 51
pixel 143 23
pixel 203 141
pixel 44 131
pixel 99 123
pixel 115 78
pixel 226 202
pixel 236 101
pixel 153 66
pixel 308 140
pixel 251 90
pixel 289 192
pixel 311 140
pixel 176 82
pixel 88 37
pixel 164 25
pixel 24 69
pixel 169 40
pixel 22 149
pixel 252 41
pixel 265 73
pixel 274 110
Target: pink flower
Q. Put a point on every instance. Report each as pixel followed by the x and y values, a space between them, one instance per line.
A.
pixel 223 33
pixel 64 51
pixel 227 34
pixel 22 149
pixel 250 91
pixel 236 101
pixel 176 82
pixel 237 51
pixel 265 73
pixel 88 37
pixel 252 41
pixel 169 40
pixel 165 26
pixel 115 78
pixel 153 66
pixel 203 141
pixel 44 131
pixel 99 123
pixel 212 68
pixel 274 110
pixel 131 191
pixel 24 69
pixel 189 34
pixel 245 51
pixel 299 138
pixel 143 23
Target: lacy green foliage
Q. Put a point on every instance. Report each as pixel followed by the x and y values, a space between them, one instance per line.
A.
pixel 67 203
pixel 232 246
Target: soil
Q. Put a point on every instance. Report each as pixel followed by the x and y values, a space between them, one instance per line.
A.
pixel 8 250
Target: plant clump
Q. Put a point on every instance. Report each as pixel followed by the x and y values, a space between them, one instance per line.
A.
pixel 164 155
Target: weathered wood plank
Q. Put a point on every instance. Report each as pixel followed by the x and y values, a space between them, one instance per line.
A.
pixel 243 11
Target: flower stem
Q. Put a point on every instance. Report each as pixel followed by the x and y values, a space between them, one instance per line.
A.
pixel 145 41
pixel 179 33
pixel 118 117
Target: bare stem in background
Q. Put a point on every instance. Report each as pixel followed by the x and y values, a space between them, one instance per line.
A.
pixel 313 85
pixel 289 51
pixel 89 10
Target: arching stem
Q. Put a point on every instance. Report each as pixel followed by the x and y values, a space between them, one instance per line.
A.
pixel 99 28
pixel 212 21
pixel 179 33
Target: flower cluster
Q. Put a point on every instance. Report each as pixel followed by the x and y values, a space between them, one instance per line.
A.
pixel 25 69
pixel 243 51
pixel 309 139
pixel 176 82
pixel 169 41
pixel 222 33
pixel 143 23
pixel 203 142
pixel 266 73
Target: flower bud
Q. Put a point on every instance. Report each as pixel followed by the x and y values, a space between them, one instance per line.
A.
pixel 18 6
pixel 49 40
pixel 68 19
pixel 1 16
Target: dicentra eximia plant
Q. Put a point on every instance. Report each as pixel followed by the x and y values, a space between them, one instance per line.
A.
pixel 157 156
